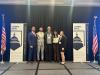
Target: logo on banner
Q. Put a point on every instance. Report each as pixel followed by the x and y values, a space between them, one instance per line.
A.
pixel 77 43
pixel 14 42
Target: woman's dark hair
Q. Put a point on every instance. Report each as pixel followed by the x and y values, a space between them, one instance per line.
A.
pixel 56 33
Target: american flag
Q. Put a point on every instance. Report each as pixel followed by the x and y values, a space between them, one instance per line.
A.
pixel 95 39
pixel 3 37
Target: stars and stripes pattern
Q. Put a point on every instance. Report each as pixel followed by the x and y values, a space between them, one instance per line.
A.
pixel 95 40
pixel 3 37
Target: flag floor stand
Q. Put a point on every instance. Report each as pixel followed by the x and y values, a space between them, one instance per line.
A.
pixel 95 60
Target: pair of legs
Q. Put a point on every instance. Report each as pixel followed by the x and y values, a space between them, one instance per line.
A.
pixel 40 48
pixel 56 52
pixel 62 57
pixel 62 54
pixel 32 54
pixel 48 52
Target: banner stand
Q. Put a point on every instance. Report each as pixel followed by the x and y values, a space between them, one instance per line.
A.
pixel 79 42
pixel 17 42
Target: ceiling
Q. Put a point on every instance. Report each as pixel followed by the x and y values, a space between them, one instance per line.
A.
pixel 53 2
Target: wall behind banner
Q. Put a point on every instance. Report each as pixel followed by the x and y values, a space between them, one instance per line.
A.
pixel 61 17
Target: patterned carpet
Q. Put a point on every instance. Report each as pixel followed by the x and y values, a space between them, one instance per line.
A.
pixel 46 68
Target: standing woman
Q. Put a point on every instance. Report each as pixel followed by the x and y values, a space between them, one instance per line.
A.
pixel 40 43
pixel 55 46
pixel 62 44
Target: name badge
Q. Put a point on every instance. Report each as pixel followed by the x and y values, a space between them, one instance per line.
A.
pixel 59 42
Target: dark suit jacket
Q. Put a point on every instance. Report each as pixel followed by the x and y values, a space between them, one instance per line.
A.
pixel 32 39
pixel 45 37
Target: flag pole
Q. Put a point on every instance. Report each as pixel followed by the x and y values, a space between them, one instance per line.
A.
pixel 2 62
pixel 94 60
pixel 95 18
pixel 2 51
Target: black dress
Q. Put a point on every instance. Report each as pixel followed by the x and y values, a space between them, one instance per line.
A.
pixel 62 43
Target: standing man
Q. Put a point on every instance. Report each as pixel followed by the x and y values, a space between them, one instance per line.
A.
pixel 32 41
pixel 48 44
pixel 40 36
